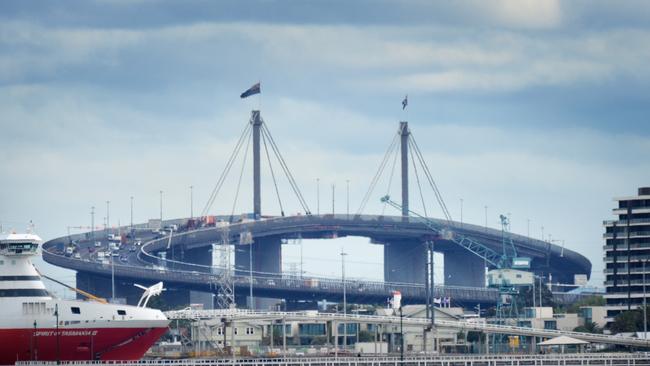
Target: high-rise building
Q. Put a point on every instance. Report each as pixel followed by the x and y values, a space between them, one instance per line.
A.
pixel 627 253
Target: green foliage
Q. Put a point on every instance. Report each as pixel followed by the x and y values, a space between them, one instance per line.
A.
pixel 629 321
pixel 595 300
pixel 525 297
pixel 365 336
pixel 589 327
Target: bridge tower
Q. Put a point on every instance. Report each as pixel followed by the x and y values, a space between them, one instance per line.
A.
pixel 404 147
pixel 256 121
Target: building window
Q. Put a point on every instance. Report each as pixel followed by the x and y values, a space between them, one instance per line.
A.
pixel 550 324
pixel 311 329
pixel 75 310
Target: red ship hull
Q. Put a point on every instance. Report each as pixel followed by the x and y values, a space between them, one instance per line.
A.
pixel 76 344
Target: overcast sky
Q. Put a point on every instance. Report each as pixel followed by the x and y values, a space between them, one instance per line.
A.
pixel 534 108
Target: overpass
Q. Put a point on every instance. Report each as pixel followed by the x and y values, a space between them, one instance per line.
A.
pixel 182 270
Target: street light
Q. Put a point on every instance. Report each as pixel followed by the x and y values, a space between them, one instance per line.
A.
pixel 486 218
pixel 333 196
pixel 461 212
pixel 645 315
pixel 317 196
pixel 161 192
pixel 131 214
pixel 108 203
pixel 191 202
pixel 345 301
pixel 347 194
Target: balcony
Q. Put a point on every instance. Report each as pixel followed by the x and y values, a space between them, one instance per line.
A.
pixel 623 234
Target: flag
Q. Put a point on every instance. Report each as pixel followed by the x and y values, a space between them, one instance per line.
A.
pixel 255 89
pixel 405 102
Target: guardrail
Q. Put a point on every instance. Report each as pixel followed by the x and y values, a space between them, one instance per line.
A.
pixel 601 359
pixel 235 314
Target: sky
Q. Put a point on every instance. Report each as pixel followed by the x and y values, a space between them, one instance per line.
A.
pixel 536 109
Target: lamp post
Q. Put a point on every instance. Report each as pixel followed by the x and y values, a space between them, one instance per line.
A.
pixel 250 276
pixel 347 195
pixel 131 214
pixel 191 202
pixel 112 275
pixel 108 222
pixel 401 334
pixel 333 197
pixel 58 342
pixel 461 212
pixel 345 301
pixel 485 217
pixel 92 222
pixel 645 315
pixel 161 193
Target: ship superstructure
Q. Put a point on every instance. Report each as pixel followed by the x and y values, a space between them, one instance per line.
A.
pixel 38 326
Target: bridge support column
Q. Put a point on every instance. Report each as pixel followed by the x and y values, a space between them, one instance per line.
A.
pixel 267 258
pixel 404 261
pixel 202 256
pixel 100 286
pixel 463 268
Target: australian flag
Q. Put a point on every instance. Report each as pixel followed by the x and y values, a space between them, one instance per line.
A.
pixel 255 89
pixel 405 102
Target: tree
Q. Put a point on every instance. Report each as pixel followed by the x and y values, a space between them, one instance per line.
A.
pixel 365 336
pixel 595 300
pixel 589 327
pixel 629 321
pixel 525 296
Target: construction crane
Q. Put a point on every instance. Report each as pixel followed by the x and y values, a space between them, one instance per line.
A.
pixel 510 273
pixel 446 232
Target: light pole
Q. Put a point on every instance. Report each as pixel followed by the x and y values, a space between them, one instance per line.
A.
pixel 347 196
pixel 112 275
pixel 191 202
pixel 250 276
pixel 645 315
pixel 333 189
pixel 92 222
pixel 345 300
pixel 108 225
pixel 317 196
pixel 461 212
pixel 131 214
pixel 486 218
